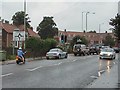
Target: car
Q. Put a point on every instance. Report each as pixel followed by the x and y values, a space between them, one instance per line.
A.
pixel 94 49
pixel 80 49
pixel 107 53
pixel 56 53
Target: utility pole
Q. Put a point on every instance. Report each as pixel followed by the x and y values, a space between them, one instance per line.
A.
pixel 86 19
pixel 24 20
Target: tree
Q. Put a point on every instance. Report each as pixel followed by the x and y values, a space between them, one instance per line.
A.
pixel 109 41
pixel 77 38
pixel 33 45
pixel 92 31
pixel 115 22
pixel 47 28
pixel 18 19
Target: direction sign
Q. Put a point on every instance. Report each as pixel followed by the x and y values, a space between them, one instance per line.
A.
pixel 18 35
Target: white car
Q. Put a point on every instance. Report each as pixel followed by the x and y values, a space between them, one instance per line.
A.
pixel 56 53
pixel 107 53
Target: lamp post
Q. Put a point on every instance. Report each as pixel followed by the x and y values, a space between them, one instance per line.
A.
pixel 86 18
pixel 82 20
pixel 100 27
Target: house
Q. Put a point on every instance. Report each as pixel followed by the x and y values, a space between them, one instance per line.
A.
pixel 93 38
pixel 6 35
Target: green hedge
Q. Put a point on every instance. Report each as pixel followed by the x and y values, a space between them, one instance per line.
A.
pixel 39 47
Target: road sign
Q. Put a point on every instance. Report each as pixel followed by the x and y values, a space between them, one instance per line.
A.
pixel 18 35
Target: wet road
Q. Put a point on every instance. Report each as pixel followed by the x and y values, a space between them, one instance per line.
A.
pixel 73 72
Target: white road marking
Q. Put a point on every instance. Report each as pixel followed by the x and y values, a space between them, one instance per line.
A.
pixel 75 60
pixel 6 74
pixel 94 77
pixel 114 63
pixel 58 63
pixel 34 69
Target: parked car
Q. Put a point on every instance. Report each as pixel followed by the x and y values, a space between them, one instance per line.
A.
pixel 94 50
pixel 56 53
pixel 107 53
pixel 80 49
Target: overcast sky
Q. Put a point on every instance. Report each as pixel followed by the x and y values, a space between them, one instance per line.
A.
pixel 67 13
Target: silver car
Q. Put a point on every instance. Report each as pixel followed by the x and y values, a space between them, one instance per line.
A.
pixel 107 53
pixel 56 53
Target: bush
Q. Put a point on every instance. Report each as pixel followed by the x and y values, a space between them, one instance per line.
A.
pixel 11 57
pixel 39 47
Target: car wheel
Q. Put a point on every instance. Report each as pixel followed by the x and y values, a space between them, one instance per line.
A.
pixel 66 55
pixel 75 54
pixel 17 62
pixel 114 57
pixel 59 56
pixel 47 58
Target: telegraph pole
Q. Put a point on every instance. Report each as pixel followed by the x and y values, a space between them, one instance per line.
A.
pixel 24 20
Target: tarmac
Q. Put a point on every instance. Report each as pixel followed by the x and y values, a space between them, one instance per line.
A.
pixel 109 79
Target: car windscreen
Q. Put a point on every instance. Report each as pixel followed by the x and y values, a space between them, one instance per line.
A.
pixel 77 46
pixel 106 50
pixel 54 50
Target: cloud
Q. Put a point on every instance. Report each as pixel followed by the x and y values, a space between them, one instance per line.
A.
pixel 67 15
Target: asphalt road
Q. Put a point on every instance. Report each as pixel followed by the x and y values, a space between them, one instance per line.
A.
pixel 73 72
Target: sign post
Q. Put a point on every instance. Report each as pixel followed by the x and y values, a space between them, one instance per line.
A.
pixel 18 36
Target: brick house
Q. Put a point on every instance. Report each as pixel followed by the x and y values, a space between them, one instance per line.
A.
pixel 93 38
pixel 6 34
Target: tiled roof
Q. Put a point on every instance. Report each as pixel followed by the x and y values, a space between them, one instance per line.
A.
pixel 9 28
pixel 32 33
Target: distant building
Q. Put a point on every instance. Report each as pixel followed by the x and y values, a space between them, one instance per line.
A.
pixel 93 38
pixel 6 35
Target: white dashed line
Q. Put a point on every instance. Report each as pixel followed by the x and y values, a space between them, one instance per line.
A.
pixel 58 63
pixel 6 74
pixel 94 77
pixel 75 60
pixel 114 63
pixel 33 69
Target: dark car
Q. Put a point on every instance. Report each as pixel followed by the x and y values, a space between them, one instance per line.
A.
pixel 94 50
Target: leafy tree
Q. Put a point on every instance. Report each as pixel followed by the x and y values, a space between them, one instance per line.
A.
pixel 47 28
pixel 115 22
pixel 92 31
pixel 76 40
pixel 109 41
pixel 33 45
pixel 18 19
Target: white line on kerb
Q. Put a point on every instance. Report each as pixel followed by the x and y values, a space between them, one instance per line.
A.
pixel 6 74
pixel 33 69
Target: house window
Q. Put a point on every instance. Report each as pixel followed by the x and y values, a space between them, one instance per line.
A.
pixel 89 35
pixel 69 35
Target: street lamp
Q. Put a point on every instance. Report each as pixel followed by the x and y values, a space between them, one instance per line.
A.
pixel 100 26
pixel 86 18
pixel 82 20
